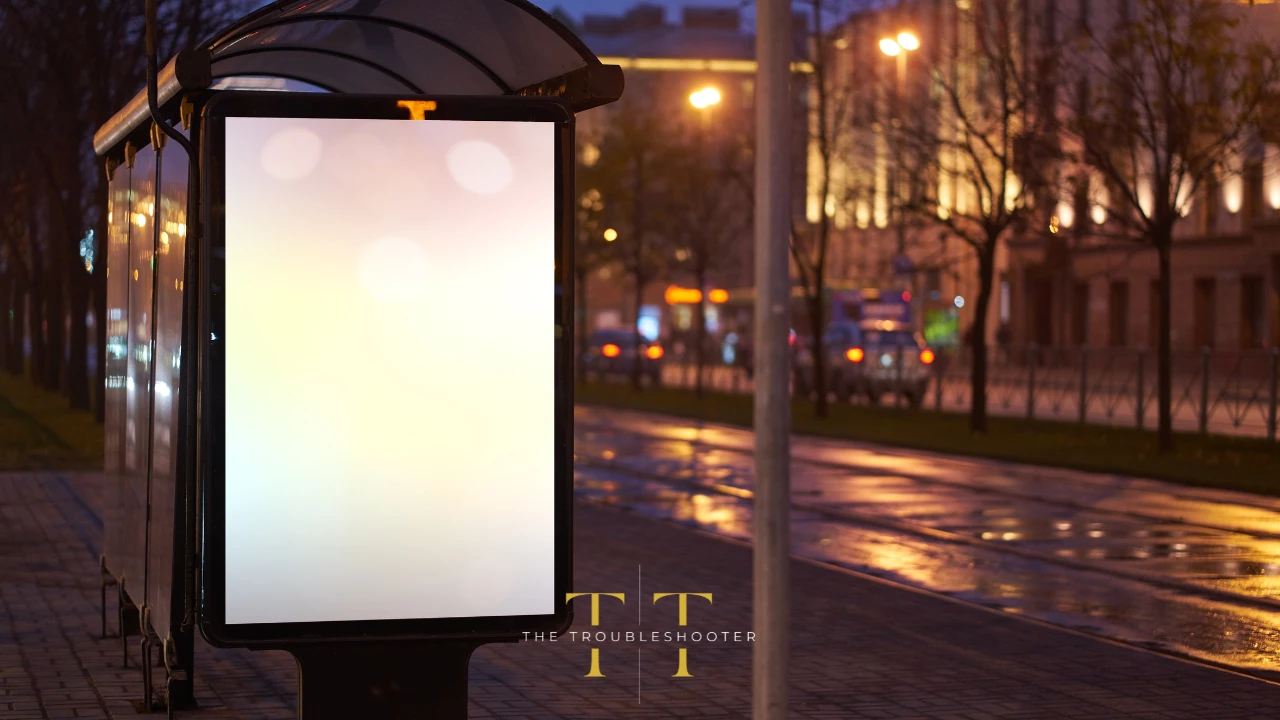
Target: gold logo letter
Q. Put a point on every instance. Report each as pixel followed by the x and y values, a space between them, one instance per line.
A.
pixel 683 669
pixel 595 622
pixel 684 603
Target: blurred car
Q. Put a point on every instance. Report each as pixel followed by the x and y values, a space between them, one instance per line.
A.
pixel 741 348
pixel 872 358
pixel 613 354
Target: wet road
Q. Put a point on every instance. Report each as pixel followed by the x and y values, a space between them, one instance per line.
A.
pixel 1188 571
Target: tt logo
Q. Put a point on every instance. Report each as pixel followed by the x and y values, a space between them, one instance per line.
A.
pixel 682 598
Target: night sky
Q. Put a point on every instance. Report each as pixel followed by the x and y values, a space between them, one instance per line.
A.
pixel 616 7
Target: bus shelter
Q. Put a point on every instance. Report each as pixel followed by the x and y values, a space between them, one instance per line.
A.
pixel 153 373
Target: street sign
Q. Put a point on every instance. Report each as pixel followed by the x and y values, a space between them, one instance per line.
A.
pixel 382 462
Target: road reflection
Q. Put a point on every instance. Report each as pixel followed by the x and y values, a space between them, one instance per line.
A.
pixel 677 473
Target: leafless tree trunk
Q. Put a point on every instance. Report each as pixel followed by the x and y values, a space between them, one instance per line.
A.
pixel 972 142
pixel 829 136
pixel 639 275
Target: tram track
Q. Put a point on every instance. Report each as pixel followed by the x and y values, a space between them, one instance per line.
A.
pixel 1183 571
pixel 1255 673
pixel 867 520
pixel 963 486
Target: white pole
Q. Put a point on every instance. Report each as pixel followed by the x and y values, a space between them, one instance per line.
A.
pixel 773 326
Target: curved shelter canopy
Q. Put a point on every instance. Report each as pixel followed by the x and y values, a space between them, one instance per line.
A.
pixel 423 47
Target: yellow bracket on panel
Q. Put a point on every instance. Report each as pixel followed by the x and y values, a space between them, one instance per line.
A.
pixel 158 138
pixel 418 109
pixel 186 111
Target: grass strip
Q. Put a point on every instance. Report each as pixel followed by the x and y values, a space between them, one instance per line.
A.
pixel 40 431
pixel 1216 461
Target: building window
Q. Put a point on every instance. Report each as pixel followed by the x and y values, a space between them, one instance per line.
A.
pixel 1080 204
pixel 933 284
pixel 1118 307
pixel 1080 313
pixel 1251 312
pixel 1153 315
pixel 1212 198
pixel 682 316
pixel 1205 312
pixel 608 320
pixel 1253 190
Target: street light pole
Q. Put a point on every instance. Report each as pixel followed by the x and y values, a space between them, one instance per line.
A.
pixel 705 101
pixel 898 48
pixel 771 595
pixel 897 169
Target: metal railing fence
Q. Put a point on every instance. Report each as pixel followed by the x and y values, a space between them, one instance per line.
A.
pixel 1213 391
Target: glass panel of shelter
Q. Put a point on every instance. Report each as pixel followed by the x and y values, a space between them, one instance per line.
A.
pixel 436 68
pixel 116 359
pixel 504 36
pixel 133 487
pixel 332 73
pixel 171 225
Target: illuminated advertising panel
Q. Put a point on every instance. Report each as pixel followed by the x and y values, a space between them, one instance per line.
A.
pixel 386 365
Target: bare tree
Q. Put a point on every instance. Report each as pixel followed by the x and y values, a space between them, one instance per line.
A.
pixel 65 68
pixel 14 263
pixel 632 175
pixel 831 142
pixel 591 252
pixel 977 150
pixel 707 201
pixel 1183 89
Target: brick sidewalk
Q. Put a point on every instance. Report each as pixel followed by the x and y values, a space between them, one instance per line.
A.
pixel 862 649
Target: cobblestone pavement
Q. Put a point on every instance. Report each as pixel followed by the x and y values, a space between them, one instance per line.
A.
pixel 861 649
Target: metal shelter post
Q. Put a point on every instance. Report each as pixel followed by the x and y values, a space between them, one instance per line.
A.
pixel 771 598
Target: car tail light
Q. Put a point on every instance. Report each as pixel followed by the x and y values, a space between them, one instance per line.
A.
pixel 927 357
pixel 611 351
pixel 855 355
pixel 653 353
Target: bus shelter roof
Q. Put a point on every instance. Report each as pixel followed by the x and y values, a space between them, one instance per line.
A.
pixel 419 47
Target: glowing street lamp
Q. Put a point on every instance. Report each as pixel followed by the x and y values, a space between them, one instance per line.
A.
pixel 895 47
pixel 610 235
pixel 705 98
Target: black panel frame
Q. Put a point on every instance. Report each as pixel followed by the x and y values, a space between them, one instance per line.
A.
pixel 212 600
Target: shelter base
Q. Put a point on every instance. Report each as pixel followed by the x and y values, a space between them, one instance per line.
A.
pixel 393 680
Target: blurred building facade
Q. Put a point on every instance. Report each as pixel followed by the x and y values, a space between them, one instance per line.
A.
pixel 1084 288
pixel 667 60
pixel 1076 285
